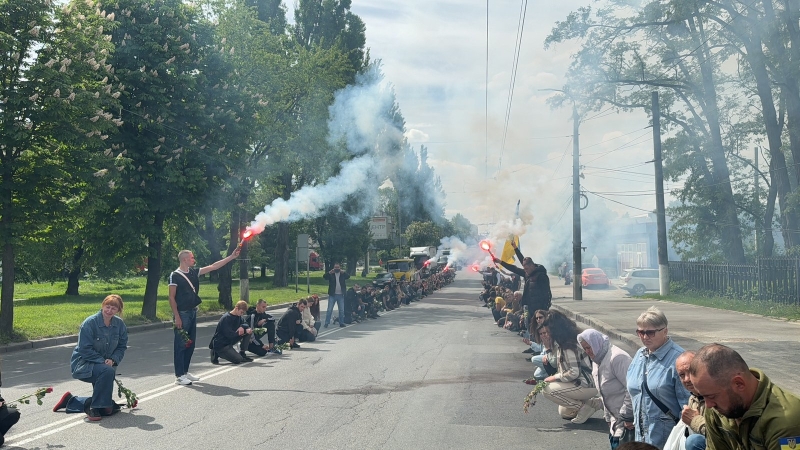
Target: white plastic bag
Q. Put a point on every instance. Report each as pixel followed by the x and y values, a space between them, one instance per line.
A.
pixel 677 438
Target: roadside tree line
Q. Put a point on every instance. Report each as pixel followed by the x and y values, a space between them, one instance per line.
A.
pixel 134 128
pixel 728 76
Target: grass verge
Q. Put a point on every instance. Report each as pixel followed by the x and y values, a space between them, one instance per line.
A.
pixel 42 310
pixel 760 307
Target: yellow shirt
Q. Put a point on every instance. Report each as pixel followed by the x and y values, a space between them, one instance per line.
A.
pixel 499 303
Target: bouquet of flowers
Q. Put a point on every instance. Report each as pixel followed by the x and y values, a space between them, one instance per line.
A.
pixel 259 331
pixel 39 394
pixel 530 399
pixel 185 335
pixel 283 346
pixel 130 397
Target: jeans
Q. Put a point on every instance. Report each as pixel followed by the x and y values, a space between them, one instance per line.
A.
pixel 183 354
pixel 102 380
pixel 229 353
pixel 339 300
pixel 696 442
pixel 540 373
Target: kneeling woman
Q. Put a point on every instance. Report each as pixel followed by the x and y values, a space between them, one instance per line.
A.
pixel 572 387
pixel 102 341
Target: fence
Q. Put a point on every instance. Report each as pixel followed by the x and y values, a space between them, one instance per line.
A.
pixel 772 279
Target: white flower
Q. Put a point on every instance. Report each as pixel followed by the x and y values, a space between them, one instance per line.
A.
pixel 101 173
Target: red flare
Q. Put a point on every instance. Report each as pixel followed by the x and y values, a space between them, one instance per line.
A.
pixel 246 234
pixel 486 245
pixel 476 268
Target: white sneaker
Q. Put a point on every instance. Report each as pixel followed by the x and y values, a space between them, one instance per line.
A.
pixel 191 377
pixel 183 381
pixel 584 413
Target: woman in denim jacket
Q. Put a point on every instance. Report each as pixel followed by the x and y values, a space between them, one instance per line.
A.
pixel 102 341
pixel 655 362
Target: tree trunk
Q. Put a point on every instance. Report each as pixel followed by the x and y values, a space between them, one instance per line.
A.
pixel 225 283
pixel 779 173
pixel 7 295
pixel 244 275
pixel 769 212
pixel 213 243
pixel 263 271
pixel 352 261
pixel 154 261
pixel 7 238
pixel 281 277
pixel 74 275
pixel 731 232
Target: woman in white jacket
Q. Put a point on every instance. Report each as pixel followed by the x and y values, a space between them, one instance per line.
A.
pixel 310 326
pixel 610 371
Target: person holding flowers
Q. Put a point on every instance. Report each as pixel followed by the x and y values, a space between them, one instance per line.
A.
pixel 102 341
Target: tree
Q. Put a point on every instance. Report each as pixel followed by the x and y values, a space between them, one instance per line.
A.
pixel 670 48
pixel 54 97
pixel 172 148
pixel 419 234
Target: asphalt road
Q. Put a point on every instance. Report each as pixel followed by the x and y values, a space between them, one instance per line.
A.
pixel 436 374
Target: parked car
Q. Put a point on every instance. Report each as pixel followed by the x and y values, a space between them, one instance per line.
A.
pixel 638 281
pixel 594 277
pixel 382 280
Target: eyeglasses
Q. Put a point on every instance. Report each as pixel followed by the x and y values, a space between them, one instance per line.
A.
pixel 648 333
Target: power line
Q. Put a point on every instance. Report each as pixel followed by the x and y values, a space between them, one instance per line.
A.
pixel 515 64
pixel 609 140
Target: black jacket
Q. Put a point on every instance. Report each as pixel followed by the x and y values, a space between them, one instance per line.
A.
pixel 331 277
pixel 226 332
pixel 253 318
pixel 536 288
pixel 288 322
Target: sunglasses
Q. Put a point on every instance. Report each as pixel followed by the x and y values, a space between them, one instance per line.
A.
pixel 648 333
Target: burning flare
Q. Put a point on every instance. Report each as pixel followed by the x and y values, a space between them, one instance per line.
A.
pixel 246 234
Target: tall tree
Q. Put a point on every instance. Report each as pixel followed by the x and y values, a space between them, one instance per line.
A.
pixel 54 97
pixel 173 146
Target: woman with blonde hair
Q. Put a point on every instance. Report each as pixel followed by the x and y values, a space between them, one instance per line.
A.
pixel 656 390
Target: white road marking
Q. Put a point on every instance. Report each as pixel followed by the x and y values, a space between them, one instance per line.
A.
pixel 145 396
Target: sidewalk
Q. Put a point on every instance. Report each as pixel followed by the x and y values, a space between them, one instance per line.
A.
pixel 768 344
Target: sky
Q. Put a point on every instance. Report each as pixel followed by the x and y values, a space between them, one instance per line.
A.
pixel 434 54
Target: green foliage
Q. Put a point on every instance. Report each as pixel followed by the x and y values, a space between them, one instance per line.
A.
pixel 419 234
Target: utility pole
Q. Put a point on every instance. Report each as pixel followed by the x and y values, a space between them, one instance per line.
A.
pixel 661 215
pixel 577 285
pixel 756 199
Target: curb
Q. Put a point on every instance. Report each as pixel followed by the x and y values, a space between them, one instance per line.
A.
pixel 601 326
pixel 73 338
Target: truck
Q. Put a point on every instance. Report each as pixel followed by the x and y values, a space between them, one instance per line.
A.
pixel 314 262
pixel 421 256
pixel 401 269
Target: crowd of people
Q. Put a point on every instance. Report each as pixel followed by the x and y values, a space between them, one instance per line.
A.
pixel 663 397
pixel 103 337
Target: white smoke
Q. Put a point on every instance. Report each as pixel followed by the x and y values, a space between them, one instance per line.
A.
pixel 360 119
pixel 310 200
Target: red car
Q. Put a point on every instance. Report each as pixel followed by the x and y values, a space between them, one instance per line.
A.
pixel 594 277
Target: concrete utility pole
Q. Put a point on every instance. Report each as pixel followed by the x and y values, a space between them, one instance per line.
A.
pixel 756 198
pixel 577 284
pixel 661 215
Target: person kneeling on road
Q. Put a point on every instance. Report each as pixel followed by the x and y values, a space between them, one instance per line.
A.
pixel 102 341
pixel 290 322
pixel 230 330
pixel 308 326
pixel 257 317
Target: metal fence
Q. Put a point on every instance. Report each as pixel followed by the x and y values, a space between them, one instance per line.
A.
pixel 773 279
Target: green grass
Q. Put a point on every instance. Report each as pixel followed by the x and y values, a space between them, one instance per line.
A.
pixel 763 308
pixel 42 310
